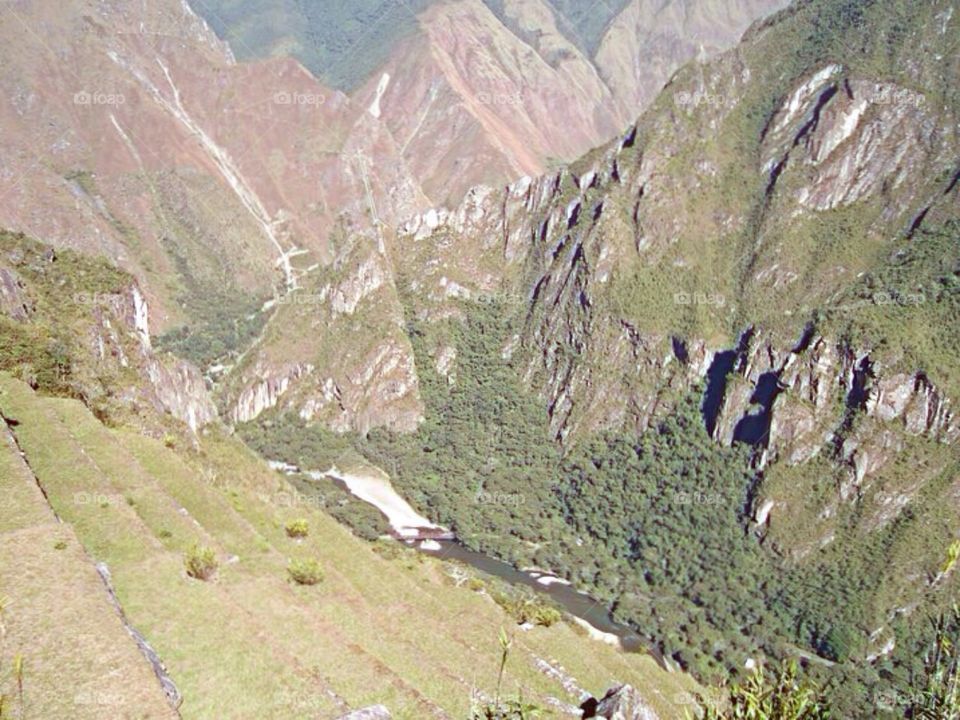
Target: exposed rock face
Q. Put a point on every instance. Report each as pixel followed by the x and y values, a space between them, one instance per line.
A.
pixel 576 245
pixel 13 300
pixel 261 163
pixel 849 137
pixel 504 102
pixel 265 392
pixel 336 352
pixel 622 702
pixel 171 385
pixel 258 159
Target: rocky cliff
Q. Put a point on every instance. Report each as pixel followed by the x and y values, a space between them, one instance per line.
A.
pixel 778 238
pixel 77 326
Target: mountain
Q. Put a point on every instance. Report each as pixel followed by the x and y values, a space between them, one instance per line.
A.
pixel 740 316
pixel 484 92
pixel 106 498
pixel 706 372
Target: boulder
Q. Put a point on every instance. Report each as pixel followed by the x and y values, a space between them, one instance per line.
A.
pixel 622 702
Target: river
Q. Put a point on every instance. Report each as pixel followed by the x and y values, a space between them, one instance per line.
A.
pixel 373 486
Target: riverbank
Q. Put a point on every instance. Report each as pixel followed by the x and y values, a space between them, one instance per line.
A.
pixel 373 486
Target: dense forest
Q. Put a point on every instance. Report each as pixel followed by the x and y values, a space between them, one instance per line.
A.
pixel 657 524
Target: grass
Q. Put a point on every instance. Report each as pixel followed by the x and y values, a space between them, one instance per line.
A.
pixel 376 630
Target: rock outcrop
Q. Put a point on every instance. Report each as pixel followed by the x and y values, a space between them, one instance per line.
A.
pixel 621 702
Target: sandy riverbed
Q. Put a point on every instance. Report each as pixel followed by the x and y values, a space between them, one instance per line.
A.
pixel 374 487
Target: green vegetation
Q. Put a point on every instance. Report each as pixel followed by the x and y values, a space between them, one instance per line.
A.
pixel 305 572
pixel 200 562
pixel 7 705
pixel 349 636
pixel 778 696
pixel 9 701
pixel 582 24
pixel 45 347
pixel 341 43
pixel 344 43
pixel 527 607
pixel 507 708
pixel 298 528
pixel 222 320
pixel 656 524
pixel 936 695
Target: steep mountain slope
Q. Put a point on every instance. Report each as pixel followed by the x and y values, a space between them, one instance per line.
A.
pixel 52 591
pixel 646 42
pixel 483 92
pixel 98 519
pixel 774 244
pixel 141 139
pixel 79 327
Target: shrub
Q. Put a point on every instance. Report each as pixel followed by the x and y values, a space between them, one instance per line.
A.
pixel 505 708
pixel 60 545
pixel 200 562
pixel 305 572
pixel 939 690
pixel 476 584
pixel 781 696
pixel 297 528
pixel 528 608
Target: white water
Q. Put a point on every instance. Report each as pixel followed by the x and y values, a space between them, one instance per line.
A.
pixel 375 488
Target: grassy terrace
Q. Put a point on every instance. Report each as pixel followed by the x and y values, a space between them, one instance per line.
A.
pixel 391 628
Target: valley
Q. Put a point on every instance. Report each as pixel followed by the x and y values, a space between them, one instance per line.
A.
pixel 475 358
